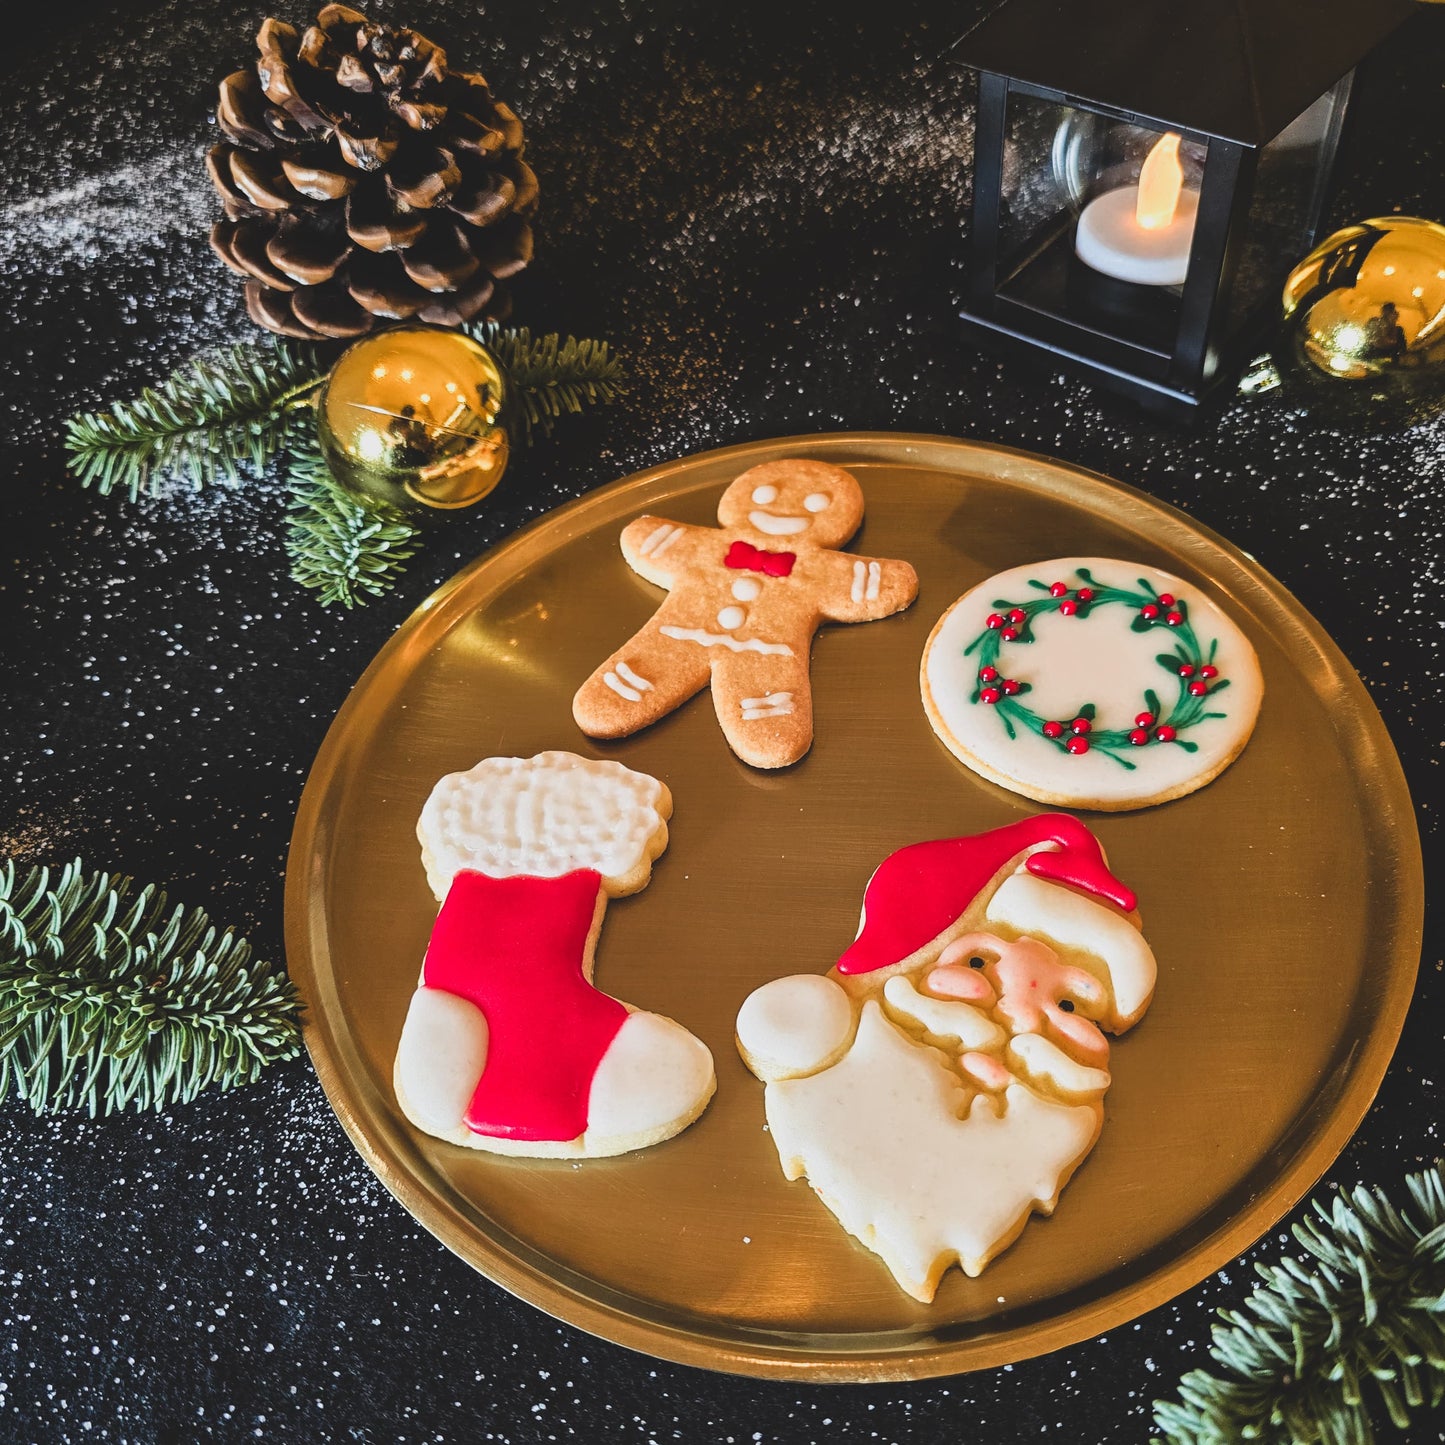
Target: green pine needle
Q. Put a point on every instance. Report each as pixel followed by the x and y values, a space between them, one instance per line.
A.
pixel 221 415
pixel 110 998
pixel 1359 1321
pixel 343 549
pixel 550 376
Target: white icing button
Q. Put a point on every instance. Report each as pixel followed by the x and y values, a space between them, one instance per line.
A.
pixel 793 1025
pixel 764 495
pixel 731 617
pixel 817 501
pixel 747 589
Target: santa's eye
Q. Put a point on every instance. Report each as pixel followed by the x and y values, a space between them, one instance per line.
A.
pixel 763 495
pixel 817 501
pixel 1067 1004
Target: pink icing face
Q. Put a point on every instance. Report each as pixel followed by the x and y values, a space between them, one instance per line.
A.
pixel 793 501
pixel 1028 987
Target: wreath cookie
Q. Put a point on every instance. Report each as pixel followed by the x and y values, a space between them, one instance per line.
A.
pixel 1092 683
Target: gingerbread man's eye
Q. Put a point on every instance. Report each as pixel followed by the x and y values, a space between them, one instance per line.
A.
pixel 1067 1004
pixel 763 495
pixel 817 501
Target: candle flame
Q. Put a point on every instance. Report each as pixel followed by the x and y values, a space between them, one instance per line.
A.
pixel 1160 182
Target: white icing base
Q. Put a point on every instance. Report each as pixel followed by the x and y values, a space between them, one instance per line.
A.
pixel 880 1138
pixel 545 816
pixel 1074 660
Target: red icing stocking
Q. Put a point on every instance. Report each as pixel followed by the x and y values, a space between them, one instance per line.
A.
pixel 922 890
pixel 517 948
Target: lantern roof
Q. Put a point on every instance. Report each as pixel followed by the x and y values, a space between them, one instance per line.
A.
pixel 1240 70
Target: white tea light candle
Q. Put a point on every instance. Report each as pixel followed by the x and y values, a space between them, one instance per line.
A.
pixel 1143 233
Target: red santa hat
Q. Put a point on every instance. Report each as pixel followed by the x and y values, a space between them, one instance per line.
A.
pixel 921 891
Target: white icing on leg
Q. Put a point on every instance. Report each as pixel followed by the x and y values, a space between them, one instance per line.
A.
pixel 637 681
pixel 793 1026
pixel 875 576
pixel 653 1074
pixel 440 1059
pixel 773 704
pixel 714 639
pixel 860 574
pixel 1033 905
pixel 621 688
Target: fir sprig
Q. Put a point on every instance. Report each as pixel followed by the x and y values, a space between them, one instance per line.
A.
pixel 343 550
pixel 550 377
pixel 1359 1321
pixel 112 998
pixel 221 415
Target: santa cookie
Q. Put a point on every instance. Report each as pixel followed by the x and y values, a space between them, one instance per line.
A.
pixel 1091 682
pixel 946 1078
pixel 744 600
pixel 507 1046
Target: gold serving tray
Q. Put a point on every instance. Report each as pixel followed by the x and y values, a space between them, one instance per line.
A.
pixel 1284 903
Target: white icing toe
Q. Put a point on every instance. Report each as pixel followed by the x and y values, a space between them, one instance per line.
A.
pixel 653 1080
pixel 441 1056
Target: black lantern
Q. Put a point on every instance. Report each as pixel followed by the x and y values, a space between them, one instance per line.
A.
pixel 1146 173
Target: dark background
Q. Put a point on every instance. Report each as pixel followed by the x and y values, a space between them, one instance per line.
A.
pixel 762 208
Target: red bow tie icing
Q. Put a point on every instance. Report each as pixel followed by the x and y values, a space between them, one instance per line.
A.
pixel 745 557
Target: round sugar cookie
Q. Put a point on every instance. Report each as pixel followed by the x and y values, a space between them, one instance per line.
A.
pixel 1092 683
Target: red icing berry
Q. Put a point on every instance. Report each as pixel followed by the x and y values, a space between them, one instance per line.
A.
pixel 1175 619
pixel 1053 729
pixel 1186 670
pixel 990 694
pixel 1081 725
pixel 1009 634
pixel 1144 720
pixel 1068 607
pixel 1165 733
pixel 1018 615
pixel 994 621
pixel 1085 594
pixel 988 674
pixel 1149 611
pixel 1077 745
pixel 1207 671
pixel 1139 736
pixel 1166 599
pixel 1058 589
pixel 1198 688
pixel 1010 686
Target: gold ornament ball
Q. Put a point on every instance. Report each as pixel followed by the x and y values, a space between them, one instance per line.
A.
pixel 1366 308
pixel 416 416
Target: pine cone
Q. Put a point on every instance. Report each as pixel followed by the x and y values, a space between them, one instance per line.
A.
pixel 364 182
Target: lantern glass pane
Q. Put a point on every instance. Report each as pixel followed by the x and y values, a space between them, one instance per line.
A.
pixel 1059 158
pixel 1289 191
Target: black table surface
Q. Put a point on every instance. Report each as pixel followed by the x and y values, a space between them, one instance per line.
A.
pixel 762 207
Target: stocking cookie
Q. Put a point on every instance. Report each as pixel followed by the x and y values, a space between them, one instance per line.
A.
pixel 507 1046
pixel 945 1079
pixel 1091 682
pixel 743 602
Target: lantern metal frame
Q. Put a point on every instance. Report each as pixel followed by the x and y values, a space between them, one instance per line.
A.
pixel 1169 349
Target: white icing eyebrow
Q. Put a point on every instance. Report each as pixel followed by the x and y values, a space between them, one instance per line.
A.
pixel 765 494
pixel 816 501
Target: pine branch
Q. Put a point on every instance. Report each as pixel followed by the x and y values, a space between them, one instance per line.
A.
pixel 1365 1307
pixel 341 548
pixel 550 376
pixel 217 417
pixel 111 998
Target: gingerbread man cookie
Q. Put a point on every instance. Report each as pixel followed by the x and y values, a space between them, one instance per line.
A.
pixel 946 1078
pixel 507 1044
pixel 743 603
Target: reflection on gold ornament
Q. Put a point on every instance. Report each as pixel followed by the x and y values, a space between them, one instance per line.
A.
pixel 416 416
pixel 1368 304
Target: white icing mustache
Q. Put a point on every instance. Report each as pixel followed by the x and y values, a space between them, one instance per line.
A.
pixel 778 526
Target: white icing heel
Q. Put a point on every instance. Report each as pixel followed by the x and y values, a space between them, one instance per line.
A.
pixel 439 1061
